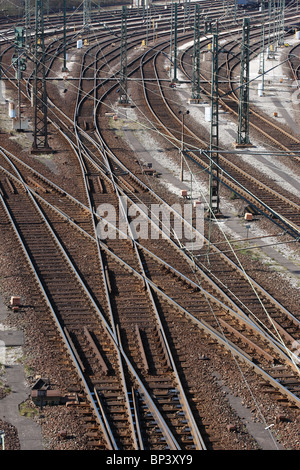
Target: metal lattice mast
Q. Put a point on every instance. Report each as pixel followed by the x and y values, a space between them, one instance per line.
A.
pixel 282 16
pixel 214 183
pixel 196 90
pixel 243 126
pixel 261 69
pixel 272 21
pixel 171 33
pixel 40 135
pixel 19 63
pixel 87 5
pixel 64 68
pixel 27 23
pixel 175 43
pixel 1 95
pixel 123 71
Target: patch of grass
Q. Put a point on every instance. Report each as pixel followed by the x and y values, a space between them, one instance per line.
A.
pixel 28 370
pixel 233 196
pixel 26 409
pixel 5 388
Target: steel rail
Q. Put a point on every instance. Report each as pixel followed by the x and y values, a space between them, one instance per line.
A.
pixel 231 57
pixel 291 56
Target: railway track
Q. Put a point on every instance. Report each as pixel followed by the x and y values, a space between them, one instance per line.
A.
pixel 100 371
pixel 296 321
pixel 280 208
pixel 100 101
pixel 174 402
pixel 276 370
pixel 229 62
pixel 264 126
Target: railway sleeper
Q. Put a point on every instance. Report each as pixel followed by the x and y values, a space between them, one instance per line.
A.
pixel 38 185
pixel 247 341
pixel 127 184
pixel 96 351
pixel 160 382
pixel 167 401
pixel 3 193
pixel 100 184
pixel 11 186
pixel 283 331
pixel 290 382
pixel 162 344
pixel 164 392
pixel 171 408
pixel 142 349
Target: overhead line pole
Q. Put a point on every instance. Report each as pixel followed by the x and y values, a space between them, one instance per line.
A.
pixel 175 44
pixel 243 125
pixel 196 89
pixel 123 71
pixel 40 135
pixel 214 181
pixel 64 69
pixel 262 53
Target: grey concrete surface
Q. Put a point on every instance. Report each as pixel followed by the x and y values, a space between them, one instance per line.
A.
pixel 29 432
